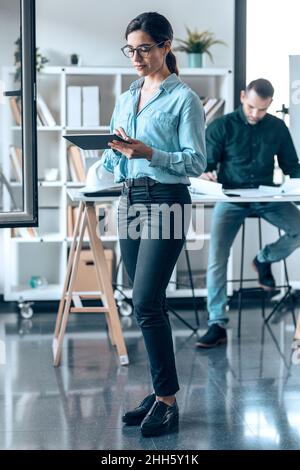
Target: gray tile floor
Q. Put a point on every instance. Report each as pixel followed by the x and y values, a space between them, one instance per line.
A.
pixel 241 396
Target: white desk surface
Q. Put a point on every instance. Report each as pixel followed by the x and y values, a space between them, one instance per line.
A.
pixel 76 196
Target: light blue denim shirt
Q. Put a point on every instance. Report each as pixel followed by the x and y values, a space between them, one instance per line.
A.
pixel 172 123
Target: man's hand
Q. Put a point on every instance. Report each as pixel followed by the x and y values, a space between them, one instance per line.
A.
pixel 209 176
pixel 132 148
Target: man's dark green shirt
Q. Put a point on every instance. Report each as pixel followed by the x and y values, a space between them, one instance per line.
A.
pixel 243 154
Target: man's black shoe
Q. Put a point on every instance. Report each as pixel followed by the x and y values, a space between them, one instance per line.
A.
pixel 161 419
pixel 265 276
pixel 214 336
pixel 136 416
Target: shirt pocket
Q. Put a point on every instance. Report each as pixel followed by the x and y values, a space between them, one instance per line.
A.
pixel 123 121
pixel 167 120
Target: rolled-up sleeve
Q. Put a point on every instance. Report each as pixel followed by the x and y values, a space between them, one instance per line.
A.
pixel 111 158
pixel 191 159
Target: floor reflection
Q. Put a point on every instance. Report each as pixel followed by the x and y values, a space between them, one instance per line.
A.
pixel 241 396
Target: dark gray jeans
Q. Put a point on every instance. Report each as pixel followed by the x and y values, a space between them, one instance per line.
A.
pixel 151 239
pixel 227 220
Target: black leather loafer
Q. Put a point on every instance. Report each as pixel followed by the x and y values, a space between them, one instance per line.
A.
pixel 161 419
pixel 136 416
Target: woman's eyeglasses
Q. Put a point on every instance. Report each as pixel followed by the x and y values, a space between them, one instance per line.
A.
pixel 142 51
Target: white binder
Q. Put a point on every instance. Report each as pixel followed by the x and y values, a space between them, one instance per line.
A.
pixel 90 106
pixel 74 106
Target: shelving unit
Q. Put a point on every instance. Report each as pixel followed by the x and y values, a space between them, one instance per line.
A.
pixel 46 255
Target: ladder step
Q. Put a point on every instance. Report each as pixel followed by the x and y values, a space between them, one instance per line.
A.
pixel 89 310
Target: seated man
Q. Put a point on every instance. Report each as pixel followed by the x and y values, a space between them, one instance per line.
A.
pixel 241 147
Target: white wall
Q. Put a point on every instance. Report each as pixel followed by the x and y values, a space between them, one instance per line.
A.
pixel 95 30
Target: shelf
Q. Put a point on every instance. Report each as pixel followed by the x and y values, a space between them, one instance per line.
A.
pixel 40 128
pixel 51 292
pixel 211 71
pixel 203 236
pixel 50 184
pixel 105 238
pixel 88 129
pixel 176 293
pixel 74 184
pixel 47 129
pixel 51 237
pixel 187 293
pixel 69 70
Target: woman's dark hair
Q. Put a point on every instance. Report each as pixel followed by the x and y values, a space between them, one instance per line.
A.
pixel 159 29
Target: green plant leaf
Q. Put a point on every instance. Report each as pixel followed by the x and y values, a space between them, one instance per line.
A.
pixel 198 42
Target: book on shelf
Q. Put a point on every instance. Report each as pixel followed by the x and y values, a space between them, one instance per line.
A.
pixel 76 164
pixel 44 113
pixel 215 111
pixel 38 120
pixel 16 108
pixel 24 232
pixel 103 212
pixel 16 162
pixel 213 108
pixel 72 215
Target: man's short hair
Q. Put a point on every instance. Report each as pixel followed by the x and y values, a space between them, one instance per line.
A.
pixel 263 88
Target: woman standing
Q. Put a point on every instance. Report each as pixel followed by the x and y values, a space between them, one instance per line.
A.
pixel 162 121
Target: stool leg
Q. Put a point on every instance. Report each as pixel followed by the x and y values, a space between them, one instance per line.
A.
pixel 240 301
pixel 263 298
pixel 187 257
pixel 287 282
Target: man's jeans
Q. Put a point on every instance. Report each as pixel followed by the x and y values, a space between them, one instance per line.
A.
pixel 227 219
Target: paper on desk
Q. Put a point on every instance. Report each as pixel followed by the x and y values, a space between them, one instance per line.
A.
pixel 262 191
pixel 291 186
pixel 201 186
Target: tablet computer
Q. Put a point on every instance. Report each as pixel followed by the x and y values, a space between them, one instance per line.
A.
pixel 92 141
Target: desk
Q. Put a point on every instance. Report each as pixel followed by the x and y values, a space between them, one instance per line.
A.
pixel 87 219
pixel 76 196
pixel 205 199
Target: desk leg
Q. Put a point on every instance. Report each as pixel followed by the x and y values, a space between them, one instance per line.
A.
pixel 68 288
pixel 112 316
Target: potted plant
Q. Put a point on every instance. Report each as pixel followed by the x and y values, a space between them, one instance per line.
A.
pixel 40 60
pixel 197 44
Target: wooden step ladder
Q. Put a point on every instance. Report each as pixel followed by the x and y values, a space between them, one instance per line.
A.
pixel 87 219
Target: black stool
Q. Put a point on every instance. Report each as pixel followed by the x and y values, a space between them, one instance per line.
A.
pixel 241 281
